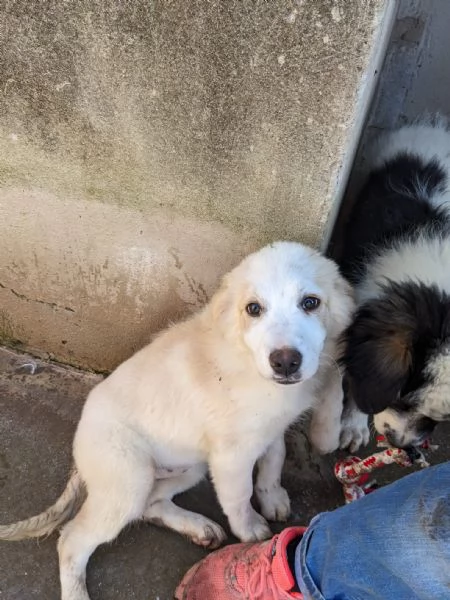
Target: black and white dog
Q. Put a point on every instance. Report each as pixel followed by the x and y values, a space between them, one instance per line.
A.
pixel 397 254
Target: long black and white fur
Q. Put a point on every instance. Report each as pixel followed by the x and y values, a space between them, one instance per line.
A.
pixel 397 255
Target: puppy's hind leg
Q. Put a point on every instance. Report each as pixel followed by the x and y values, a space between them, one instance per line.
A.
pixel 167 488
pixel 116 499
pixel 201 530
pixel 162 511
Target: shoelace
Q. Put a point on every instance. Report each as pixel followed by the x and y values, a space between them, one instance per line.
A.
pixel 261 579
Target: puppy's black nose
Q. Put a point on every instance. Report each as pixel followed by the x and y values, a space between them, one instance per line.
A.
pixel 392 438
pixel 285 361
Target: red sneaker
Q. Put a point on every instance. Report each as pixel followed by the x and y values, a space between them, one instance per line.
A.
pixel 253 571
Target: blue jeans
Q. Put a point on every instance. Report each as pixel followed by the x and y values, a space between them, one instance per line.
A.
pixel 393 544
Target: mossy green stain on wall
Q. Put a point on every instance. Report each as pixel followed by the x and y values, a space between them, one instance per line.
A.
pixel 8 332
pixel 226 112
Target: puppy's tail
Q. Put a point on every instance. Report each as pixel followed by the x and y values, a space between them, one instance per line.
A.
pixel 45 523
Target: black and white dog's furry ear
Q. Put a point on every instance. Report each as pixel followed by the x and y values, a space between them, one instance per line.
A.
pixel 377 357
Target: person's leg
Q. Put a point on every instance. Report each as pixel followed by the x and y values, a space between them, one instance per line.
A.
pixel 394 544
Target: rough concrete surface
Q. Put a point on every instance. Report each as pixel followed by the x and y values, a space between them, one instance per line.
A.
pixel 39 406
pixel 146 146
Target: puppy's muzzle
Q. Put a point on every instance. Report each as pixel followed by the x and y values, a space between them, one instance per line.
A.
pixel 285 363
pixel 421 432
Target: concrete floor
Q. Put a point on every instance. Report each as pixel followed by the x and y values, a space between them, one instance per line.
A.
pixel 40 404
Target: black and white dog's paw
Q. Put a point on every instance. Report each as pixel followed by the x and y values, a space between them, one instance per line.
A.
pixel 354 430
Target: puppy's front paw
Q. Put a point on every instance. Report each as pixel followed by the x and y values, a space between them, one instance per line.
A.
pixel 255 529
pixel 354 431
pixel 275 503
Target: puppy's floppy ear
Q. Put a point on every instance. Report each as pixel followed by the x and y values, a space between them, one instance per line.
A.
pixel 220 302
pixel 225 312
pixel 377 357
pixel 341 305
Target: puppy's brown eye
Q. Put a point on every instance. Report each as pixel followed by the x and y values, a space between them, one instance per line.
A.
pixel 310 303
pixel 254 309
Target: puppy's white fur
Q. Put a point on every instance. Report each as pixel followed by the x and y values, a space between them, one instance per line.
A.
pixel 203 395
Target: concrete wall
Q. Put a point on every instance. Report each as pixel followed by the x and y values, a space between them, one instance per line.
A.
pixel 146 146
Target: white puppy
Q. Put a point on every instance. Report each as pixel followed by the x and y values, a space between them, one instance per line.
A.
pixel 216 391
